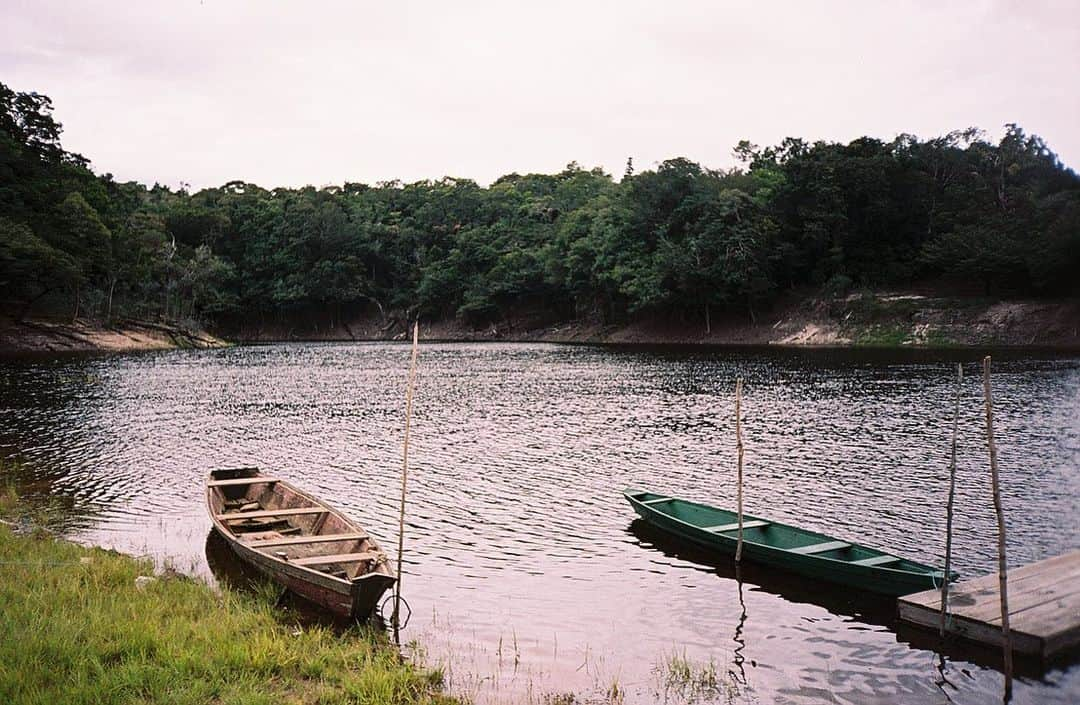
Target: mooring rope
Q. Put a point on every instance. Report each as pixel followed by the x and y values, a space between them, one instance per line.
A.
pixel 408 610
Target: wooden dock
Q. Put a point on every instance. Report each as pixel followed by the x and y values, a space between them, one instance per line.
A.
pixel 1044 607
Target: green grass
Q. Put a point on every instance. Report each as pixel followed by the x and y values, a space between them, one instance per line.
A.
pixel 882 336
pixel 896 335
pixel 74 628
pixel 937 338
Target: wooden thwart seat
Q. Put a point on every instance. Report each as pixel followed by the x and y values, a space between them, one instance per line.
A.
pixel 296 540
pixel 336 558
pixel 658 500
pixel 821 547
pixel 259 527
pixel 721 528
pixel 876 560
pixel 242 481
pixel 270 513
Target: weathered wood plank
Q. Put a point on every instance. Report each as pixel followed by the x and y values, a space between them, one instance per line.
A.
pixel 971 595
pixel 1051 616
pixel 970 629
pixel 1033 595
pixel 270 513
pixel 242 481
pixel 297 540
pixel 986 587
pixel 336 558
pixel 1044 607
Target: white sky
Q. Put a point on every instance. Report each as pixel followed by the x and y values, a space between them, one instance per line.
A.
pixel 294 93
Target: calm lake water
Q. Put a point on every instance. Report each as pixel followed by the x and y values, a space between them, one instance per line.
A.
pixel 526 571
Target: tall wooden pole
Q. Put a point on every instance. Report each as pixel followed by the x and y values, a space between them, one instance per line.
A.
pixel 952 497
pixel 739 451
pixel 405 477
pixel 1002 571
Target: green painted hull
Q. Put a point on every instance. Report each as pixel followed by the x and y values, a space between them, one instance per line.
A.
pixel 807 553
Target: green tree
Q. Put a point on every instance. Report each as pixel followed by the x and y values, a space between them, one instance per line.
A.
pixel 31 267
pixel 83 236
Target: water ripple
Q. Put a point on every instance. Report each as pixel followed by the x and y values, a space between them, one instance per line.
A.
pixel 520 551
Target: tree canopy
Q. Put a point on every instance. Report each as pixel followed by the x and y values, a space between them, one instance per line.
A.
pixel 679 238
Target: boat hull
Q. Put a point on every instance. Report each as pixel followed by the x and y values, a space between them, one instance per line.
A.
pixel 357 599
pixel 881 580
pixel 350 598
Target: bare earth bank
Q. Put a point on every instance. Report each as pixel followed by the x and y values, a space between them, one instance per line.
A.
pixel 883 319
pixel 33 336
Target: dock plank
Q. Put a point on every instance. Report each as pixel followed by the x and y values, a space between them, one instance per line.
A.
pixel 1046 616
pixel 1044 607
pixel 975 594
pixel 1032 595
pixel 1067 564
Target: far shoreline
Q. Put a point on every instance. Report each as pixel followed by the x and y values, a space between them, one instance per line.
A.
pixel 878 320
pixel 61 345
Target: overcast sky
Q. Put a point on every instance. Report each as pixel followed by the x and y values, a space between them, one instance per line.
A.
pixel 294 93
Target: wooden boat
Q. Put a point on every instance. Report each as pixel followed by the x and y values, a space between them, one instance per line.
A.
pixel 298 541
pixel 787 547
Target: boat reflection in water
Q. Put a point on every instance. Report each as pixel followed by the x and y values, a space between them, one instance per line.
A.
pixel 866 607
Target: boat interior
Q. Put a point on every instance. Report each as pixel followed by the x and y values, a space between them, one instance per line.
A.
pixel 273 518
pixel 782 536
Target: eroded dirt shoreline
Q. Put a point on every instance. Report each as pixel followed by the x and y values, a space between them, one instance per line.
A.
pixel 43 336
pixel 885 320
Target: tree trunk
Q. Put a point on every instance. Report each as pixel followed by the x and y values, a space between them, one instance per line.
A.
pixel 108 305
pixel 78 290
pixel 382 311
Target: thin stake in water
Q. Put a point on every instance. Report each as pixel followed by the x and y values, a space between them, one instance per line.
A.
pixel 739 452
pixel 404 478
pixel 952 497
pixel 996 486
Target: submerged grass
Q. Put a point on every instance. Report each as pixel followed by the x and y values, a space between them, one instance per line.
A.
pixel 75 628
pixel 685 680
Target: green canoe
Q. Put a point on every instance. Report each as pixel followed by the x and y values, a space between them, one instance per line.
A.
pixel 808 553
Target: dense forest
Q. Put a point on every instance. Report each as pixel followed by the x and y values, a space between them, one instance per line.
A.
pixel 679 239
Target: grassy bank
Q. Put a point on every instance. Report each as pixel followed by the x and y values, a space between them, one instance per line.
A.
pixel 75 628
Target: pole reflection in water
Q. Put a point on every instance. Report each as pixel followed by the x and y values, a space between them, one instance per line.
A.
pixel 740 642
pixel 941 664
